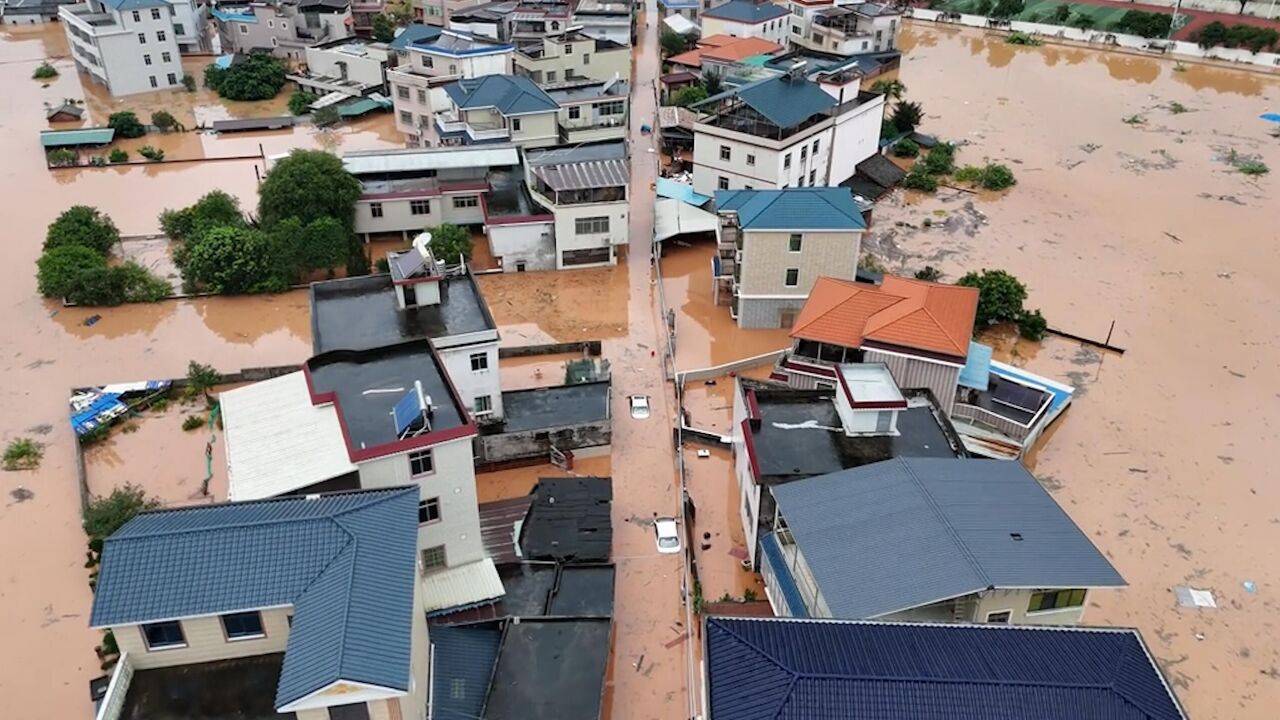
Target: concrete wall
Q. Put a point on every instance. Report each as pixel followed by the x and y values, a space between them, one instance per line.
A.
pixel 536 130
pixel 766 312
pixel 766 257
pixel 369 68
pixel 508 447
pixel 775 29
pixel 124 58
pixel 575 59
pixel 472 384
pixel 748 491
pixel 206 641
pixel 409 94
pixel 414 705
pixel 916 372
pixel 856 136
pixel 439 65
pixel 530 243
pixel 454 482
pixel 567 237
pixel 771 165
pixel 397 213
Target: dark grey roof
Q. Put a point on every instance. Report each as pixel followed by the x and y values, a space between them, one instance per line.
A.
pixel 548 589
pixel 569 520
pixel 345 562
pixel 555 407
pixel 746 11
pixel 416 32
pixel 584 175
pixel 882 171
pixel 912 531
pixel 462 666
pixel 550 669
pixel 509 94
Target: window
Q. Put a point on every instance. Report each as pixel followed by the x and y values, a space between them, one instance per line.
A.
pixel 427 61
pixel 433 558
pixel 484 405
pixel 591 225
pixel 244 29
pixel 453 69
pixel 142 38
pixel 271 23
pixel 243 626
pixel 815 147
pixel 406 117
pixel 352 711
pixel 575 112
pixel 797 12
pixel 137 16
pixel 751 159
pixel 275 41
pixel 793 277
pixel 166 57
pixel 1000 617
pixel 178 29
pixel 586 58
pixel 173 79
pixel 795 30
pixel 468 201
pixel 817 37
pixel 723 183
pixel 402 92
pixel 375 210
pixel 515 124
pixel 421 462
pixel 146 59
pixel 160 36
pixel 793 243
pixel 813 176
pixel 422 96
pixel 164 635
pixel 154 84
pixel 155 14
pixel 786 161
pixel 568 49
pixel 419 207
pixel 804 153
pixel 613 107
pixel 1055 600
pixel 429 511
pixel 724 152
pixel 479 362
pixel 551 76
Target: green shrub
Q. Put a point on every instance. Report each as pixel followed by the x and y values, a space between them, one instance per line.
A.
pixel 201 378
pixel 1144 24
pixel 326 116
pixel 82 225
pixel 151 153
pixel 118 156
pixel 22 454
pixel 98 161
pixel 1007 8
pixel 929 273
pixel 448 242
pixel 906 148
pixel 997 177
pixel 383 265
pixel 63 268
pixel 192 422
pixel 1061 13
pixel 983 7
pixel 689 95
pixel 234 261
pixel 105 515
pixel 126 124
pixel 918 179
pixel 1082 21
pixel 1000 299
pixel 906 116
pixel 1178 108
pixel 300 101
pixel 1253 167
pixel 384 28
pixel 45 71
pixel 126 283
pixel 257 77
pixel 189 82
pixel 1135 119
pixel 967 174
pixel 1021 38
pixel 62 157
pixel 941 159
pixel 165 121
pixel 1032 325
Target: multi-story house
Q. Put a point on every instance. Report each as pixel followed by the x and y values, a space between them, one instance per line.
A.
pixel 497 108
pixel 30 12
pixel 131 47
pixel 844 28
pixel 929 540
pixel 786 131
pixel 441 12
pixel 286 28
pixel 775 244
pixel 586 189
pixel 345 66
pixel 311 607
pixel 720 55
pixel 573 55
pixel 591 111
pixel 687 9
pixel 418 82
pixel 605 19
pixel 491 19
pixel 362 14
pixel 533 20
pixel 747 18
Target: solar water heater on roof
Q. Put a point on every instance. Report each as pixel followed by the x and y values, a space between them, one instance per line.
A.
pixel 410 412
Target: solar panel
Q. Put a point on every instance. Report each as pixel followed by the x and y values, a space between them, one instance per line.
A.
pixel 408 263
pixel 1019 396
pixel 408 410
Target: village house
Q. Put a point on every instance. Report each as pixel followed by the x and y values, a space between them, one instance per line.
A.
pixel 418 82
pixel 747 18
pixel 132 47
pixel 844 29
pixel 441 12
pixel 971 541
pixel 490 19
pixel 781 435
pixel 586 189
pixel 533 20
pixel 785 131
pixel 687 9
pixel 229 608
pixel 344 67
pixel 852 670
pixel 605 20
pixel 572 55
pixel 775 244
pixel 719 54
pixel 362 14
pixel 285 28
pixel 31 12
pixel 497 109
pixel 591 111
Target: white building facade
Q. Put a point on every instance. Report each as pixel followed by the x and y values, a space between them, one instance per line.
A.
pixel 129 51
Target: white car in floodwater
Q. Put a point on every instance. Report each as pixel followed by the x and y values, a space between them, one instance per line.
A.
pixel 639 406
pixel 668 535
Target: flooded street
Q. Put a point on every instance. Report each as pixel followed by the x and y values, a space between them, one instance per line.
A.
pixel 1163 459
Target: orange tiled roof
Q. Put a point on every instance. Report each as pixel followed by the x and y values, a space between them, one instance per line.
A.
pixel 742 48
pixel 716 40
pixel 908 313
pixel 688 58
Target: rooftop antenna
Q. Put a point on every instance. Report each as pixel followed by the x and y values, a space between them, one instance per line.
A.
pixel 411 413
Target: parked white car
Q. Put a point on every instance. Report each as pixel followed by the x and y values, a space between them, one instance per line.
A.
pixel 639 406
pixel 668 535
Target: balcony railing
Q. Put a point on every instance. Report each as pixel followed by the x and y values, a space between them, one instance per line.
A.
pixel 982 416
pixel 117 689
pixel 83 17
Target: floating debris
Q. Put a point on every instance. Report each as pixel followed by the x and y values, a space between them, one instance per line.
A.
pixel 1192 598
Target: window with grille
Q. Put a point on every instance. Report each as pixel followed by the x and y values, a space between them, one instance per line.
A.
pixel 591 225
pixel 375 210
pixel 484 405
pixel 419 207
pixel 421 462
pixel 468 201
pixel 433 558
pixel 479 362
pixel 428 510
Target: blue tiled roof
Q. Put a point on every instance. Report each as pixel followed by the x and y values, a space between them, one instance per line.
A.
pixel 907 532
pixel 345 562
pixel 784 101
pixel 123 5
pixel 415 33
pixel 746 11
pixel 768 669
pixel 808 208
pixel 464 659
pixel 511 95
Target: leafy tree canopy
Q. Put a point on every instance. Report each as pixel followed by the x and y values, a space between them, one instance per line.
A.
pixel 215 209
pixel 1000 295
pixel 384 28
pixel 300 101
pixel 448 242
pixel 61 269
pixel 257 77
pixel 234 261
pixel 907 116
pixel 308 185
pixel 689 95
pixel 126 124
pixel 82 225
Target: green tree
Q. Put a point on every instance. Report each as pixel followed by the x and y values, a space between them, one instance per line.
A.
pixel 257 77
pixel 201 378
pixel 997 177
pixel 322 244
pixel 712 83
pixel 983 7
pixel 689 95
pixel 300 101
pixel 907 116
pixel 213 76
pixel 105 515
pixel 1145 24
pixel 119 284
pixel 671 42
pixel 448 242
pixel 1007 8
pixel 61 269
pixel 118 156
pixel 1083 21
pixel 126 124
pixel 214 209
pixel 893 89
pixel 326 116
pixel 918 179
pixel 1000 295
pixel 82 225
pixel 45 71
pixel 1032 325
pixel 1061 13
pixel 941 160
pixel 308 185
pixel 188 82
pixel 165 121
pixel 384 28
pixel 234 261
pixel 62 157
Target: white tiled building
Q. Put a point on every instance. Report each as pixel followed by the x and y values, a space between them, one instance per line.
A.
pixel 844 28
pixel 417 84
pixel 131 46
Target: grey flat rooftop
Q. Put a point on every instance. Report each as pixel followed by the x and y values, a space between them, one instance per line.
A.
pixel 588 91
pixel 508 197
pixel 555 406
pixel 550 670
pixel 361 313
pixel 368 383
pixel 545 589
pixel 801 436
pixel 569 520
pixel 242 689
pixel 909 532
pixel 612 150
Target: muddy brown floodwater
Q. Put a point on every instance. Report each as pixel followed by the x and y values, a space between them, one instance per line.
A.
pixel 1164 457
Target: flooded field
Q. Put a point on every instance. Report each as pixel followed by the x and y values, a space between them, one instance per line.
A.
pixel 1163 457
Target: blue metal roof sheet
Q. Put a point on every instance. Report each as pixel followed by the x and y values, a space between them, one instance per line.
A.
pixel 464 658
pixel 746 11
pixel 976 372
pixel 415 33
pixel 345 562
pixel 776 669
pixel 783 100
pixel 83 136
pixel 133 4
pixel 668 188
pixel 511 95
pixel 907 532
pixel 243 15
pixel 808 208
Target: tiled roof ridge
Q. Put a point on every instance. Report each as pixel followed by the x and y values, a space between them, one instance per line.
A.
pixel 963 350
pixel 354 547
pixel 785 697
pixel 946 523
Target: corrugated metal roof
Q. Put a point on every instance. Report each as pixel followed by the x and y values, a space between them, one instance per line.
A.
pixel 345 562
pixel 908 532
pixel 460 586
pixel 976 372
pixel 770 669
pixel 510 95
pixel 415 33
pixel 584 175
pixel 674 217
pixel 277 441
pixel 87 136
pixel 462 668
pixel 746 11
pixel 412 160
pixel 808 208
pixel 784 101
pixel 668 188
